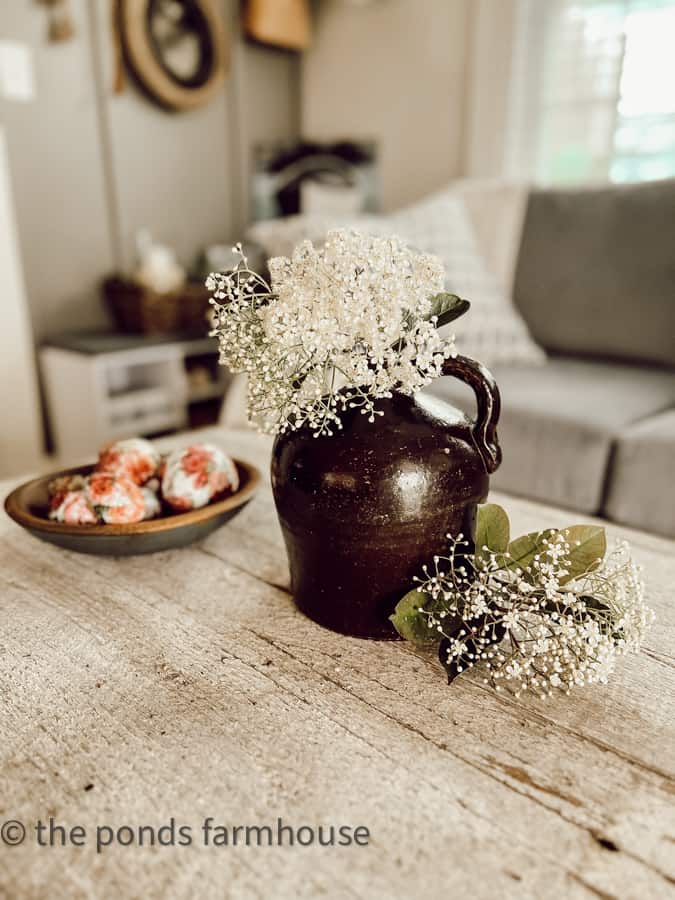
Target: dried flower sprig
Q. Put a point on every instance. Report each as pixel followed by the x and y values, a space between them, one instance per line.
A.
pixel 547 611
pixel 337 327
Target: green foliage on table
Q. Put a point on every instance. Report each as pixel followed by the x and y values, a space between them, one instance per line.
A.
pixel 587 549
pixel 492 529
pixel 410 623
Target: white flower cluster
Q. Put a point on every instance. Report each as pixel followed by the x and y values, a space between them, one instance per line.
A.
pixel 339 326
pixel 531 628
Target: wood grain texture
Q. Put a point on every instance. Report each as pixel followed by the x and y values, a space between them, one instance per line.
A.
pixel 187 685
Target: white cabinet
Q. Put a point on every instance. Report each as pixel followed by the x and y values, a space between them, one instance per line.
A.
pixel 100 388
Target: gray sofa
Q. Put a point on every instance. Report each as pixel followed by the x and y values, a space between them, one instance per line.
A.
pixel 594 428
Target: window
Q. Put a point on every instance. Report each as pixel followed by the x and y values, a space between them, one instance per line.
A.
pixel 593 91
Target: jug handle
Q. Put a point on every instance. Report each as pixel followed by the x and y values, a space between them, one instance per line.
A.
pixel 488 404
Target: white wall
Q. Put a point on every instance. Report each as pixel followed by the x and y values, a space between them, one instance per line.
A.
pixel 488 86
pixel 55 166
pixel 396 71
pixel 89 168
pixel 20 435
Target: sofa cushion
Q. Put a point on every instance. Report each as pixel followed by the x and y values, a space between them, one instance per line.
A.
pixel 496 208
pixel 596 271
pixel 642 478
pixel 494 331
pixel 559 423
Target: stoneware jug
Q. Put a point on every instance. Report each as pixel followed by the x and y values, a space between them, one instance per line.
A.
pixel 364 509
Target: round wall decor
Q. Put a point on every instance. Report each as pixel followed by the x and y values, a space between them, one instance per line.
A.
pixel 177 49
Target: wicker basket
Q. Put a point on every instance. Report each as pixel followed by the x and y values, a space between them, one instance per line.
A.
pixel 139 310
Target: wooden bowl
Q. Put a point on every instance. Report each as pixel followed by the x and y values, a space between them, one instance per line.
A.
pixel 28 505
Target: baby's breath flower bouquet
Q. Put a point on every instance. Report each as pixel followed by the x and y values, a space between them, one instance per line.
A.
pixel 547 611
pixel 339 326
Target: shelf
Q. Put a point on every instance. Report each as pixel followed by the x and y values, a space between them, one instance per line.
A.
pixel 149 425
pixel 144 410
pixel 100 343
pixel 139 398
pixel 207 392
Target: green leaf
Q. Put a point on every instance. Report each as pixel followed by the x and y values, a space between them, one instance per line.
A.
pixel 492 529
pixel 523 549
pixel 447 307
pixel 410 623
pixel 588 545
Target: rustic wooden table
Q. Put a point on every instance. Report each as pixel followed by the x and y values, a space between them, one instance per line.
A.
pixel 186 686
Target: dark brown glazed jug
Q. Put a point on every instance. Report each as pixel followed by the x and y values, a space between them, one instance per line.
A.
pixel 364 509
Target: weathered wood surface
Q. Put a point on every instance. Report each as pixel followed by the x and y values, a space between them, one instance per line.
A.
pixel 186 685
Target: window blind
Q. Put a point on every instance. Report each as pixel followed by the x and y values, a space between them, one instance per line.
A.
pixel 593 91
